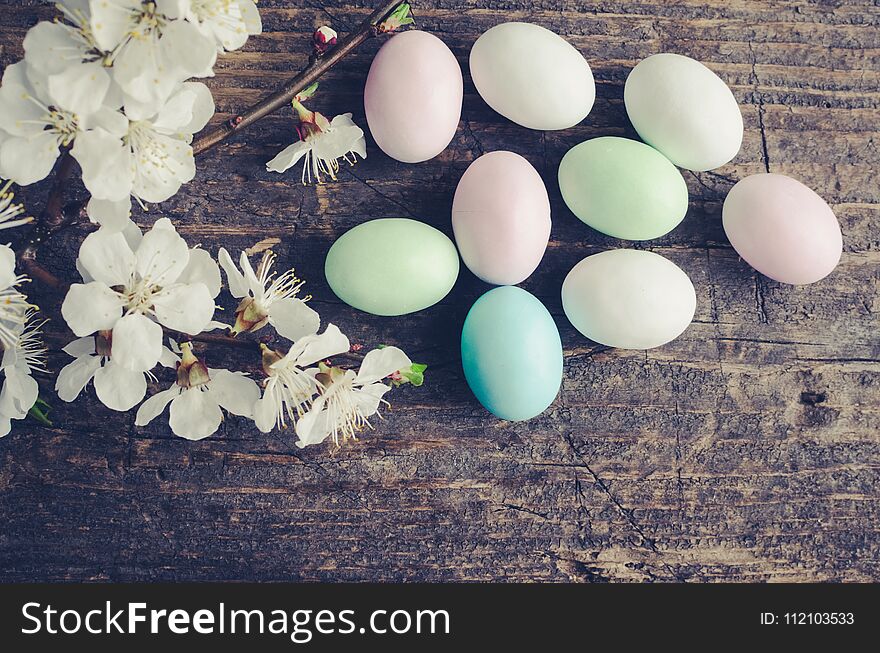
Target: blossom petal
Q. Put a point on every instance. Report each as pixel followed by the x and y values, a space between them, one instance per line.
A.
pixel 119 388
pixel 112 216
pixel 380 363
pixel 319 347
pixel 162 255
pixel 185 307
pixel 80 347
pixel 187 110
pixel 176 112
pixel 155 405
pixel 250 13
pixel 147 76
pixel 202 269
pixel 369 397
pixel 106 164
pixel 19 115
pixel 234 278
pixel 183 44
pixel 288 157
pixel 29 159
pixel 315 425
pixel 162 167
pixel 293 318
pixel 107 257
pixel 110 21
pixel 195 415
pixel 8 277
pixel 168 359
pixel 265 411
pixel 81 88
pixel 235 392
pixel 46 46
pixel 137 343
pixel 91 307
pixel 250 277
pixel 75 376
pixel 19 394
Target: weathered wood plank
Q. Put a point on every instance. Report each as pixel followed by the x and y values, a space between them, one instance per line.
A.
pixel 745 450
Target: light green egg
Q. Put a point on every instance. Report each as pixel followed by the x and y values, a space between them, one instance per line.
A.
pixel 392 266
pixel 623 188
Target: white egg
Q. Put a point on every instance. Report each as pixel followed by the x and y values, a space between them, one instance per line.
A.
pixel 532 76
pixel 627 298
pixel 680 107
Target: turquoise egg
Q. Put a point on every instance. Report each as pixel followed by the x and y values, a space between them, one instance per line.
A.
pixel 511 353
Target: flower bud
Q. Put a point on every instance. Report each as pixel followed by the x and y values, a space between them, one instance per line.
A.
pixel 191 372
pixel 323 39
pixel 249 317
pixel 103 343
pixel 269 357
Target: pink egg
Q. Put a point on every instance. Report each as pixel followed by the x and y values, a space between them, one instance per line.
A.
pixel 413 96
pixel 501 218
pixel 782 228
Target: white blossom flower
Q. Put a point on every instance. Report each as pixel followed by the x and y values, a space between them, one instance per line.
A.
pixel 117 387
pixel 228 23
pixel 267 298
pixel 41 114
pixel 20 359
pixel 150 158
pixel 347 399
pixel 150 52
pixel 197 397
pixel 322 143
pixel 14 305
pixel 53 47
pixel 9 212
pixel 131 293
pixel 289 388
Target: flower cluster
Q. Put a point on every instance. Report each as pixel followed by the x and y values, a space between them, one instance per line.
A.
pixel 109 81
pixel 137 287
pixel 20 340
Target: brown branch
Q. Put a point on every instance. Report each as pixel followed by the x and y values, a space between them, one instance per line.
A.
pixel 281 97
pixel 53 214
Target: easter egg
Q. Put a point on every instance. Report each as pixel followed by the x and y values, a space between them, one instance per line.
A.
pixel 413 96
pixel 501 218
pixel 683 109
pixel 628 298
pixel 392 266
pixel 532 76
pixel 782 228
pixel 511 353
pixel 623 188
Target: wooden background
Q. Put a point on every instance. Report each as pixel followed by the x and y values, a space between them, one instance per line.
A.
pixel 746 450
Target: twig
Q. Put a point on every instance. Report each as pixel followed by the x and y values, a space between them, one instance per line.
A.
pixel 316 68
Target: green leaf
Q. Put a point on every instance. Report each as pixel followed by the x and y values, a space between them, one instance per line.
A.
pixel 307 92
pixel 415 374
pixel 397 18
pixel 40 412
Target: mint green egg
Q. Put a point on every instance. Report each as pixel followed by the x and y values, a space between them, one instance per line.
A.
pixel 392 266
pixel 623 188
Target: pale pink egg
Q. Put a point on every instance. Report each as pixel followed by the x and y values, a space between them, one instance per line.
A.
pixel 782 228
pixel 413 96
pixel 501 218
